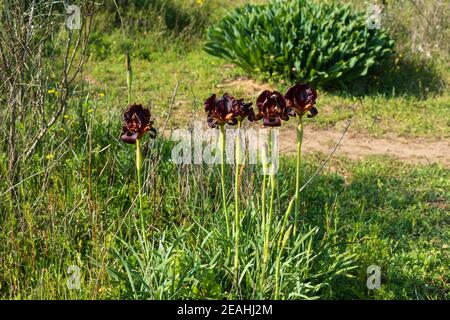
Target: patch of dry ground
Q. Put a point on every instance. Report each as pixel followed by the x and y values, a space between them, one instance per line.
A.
pixel 249 86
pixel 354 145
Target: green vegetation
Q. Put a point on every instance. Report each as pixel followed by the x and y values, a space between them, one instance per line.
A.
pixel 306 41
pixel 75 201
pixel 360 213
pixel 419 114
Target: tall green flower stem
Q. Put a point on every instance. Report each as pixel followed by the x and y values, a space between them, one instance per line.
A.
pixel 268 219
pixel 264 161
pixel 298 174
pixel 237 219
pixel 263 187
pixel 139 162
pixel 129 75
pixel 273 184
pixel 138 168
pixel 222 180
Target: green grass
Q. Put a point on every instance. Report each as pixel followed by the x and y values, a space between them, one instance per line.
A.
pixel 377 115
pixel 154 80
pixel 395 216
pixel 374 211
pixel 200 75
pixel 407 96
pixel 76 203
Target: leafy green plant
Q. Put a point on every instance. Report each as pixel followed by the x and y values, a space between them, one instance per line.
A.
pixel 308 41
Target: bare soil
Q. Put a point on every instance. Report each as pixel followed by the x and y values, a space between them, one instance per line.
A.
pixel 354 145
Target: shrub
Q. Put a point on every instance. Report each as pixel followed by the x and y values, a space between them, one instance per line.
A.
pixel 296 40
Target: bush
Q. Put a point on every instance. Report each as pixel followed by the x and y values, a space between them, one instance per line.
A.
pixel 318 43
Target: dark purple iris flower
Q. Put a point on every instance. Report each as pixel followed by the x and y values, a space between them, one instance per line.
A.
pixel 137 121
pixel 271 108
pixel 301 98
pixel 227 110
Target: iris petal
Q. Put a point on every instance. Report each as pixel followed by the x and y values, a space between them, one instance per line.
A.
pixel 272 121
pixel 271 107
pixel 212 123
pixel 129 137
pixel 313 112
pixel 137 121
pixel 301 98
pixel 226 109
pixel 290 112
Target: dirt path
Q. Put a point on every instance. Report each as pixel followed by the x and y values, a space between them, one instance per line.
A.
pixel 357 145
pixel 354 145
